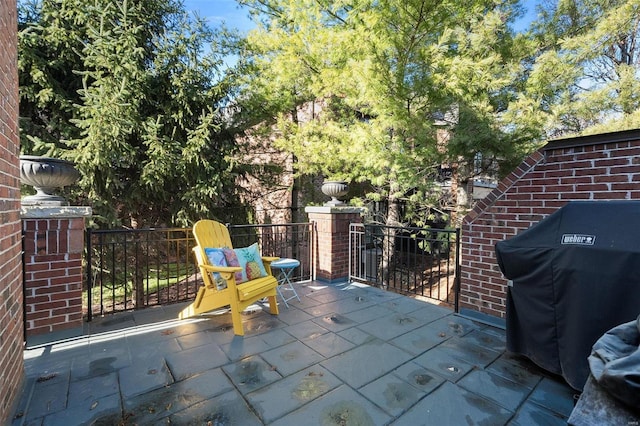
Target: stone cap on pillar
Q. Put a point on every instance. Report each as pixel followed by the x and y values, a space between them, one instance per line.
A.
pixel 334 209
pixel 54 212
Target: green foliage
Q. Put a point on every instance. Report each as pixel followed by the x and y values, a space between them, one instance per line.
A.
pixel 380 93
pixel 131 91
pixel 586 76
pixel 391 81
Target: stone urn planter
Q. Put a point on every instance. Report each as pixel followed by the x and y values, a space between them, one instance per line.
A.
pixel 46 174
pixel 335 189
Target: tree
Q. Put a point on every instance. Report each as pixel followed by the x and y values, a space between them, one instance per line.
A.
pixel 403 87
pixel 128 91
pixel 586 76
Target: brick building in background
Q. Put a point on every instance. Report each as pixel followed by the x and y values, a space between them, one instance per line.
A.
pixel 11 324
pixel 598 167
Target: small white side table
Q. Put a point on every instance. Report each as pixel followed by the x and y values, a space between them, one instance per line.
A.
pixel 285 267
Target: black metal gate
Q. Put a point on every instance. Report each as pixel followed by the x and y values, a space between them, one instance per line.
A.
pixel 413 261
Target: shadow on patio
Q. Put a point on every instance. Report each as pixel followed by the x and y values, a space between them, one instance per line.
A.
pixel 345 355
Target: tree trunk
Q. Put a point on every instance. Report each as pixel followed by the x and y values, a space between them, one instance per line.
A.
pixel 389 241
pixel 139 273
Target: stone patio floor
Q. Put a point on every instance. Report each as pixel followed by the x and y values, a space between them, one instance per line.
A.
pixel 347 354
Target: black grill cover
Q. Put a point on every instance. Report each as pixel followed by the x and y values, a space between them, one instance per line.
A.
pixel 574 275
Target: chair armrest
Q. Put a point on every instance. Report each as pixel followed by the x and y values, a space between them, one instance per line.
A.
pixel 227 272
pixel 267 263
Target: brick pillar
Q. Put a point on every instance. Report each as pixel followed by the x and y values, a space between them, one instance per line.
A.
pixel 53 249
pixel 332 240
pixel 11 337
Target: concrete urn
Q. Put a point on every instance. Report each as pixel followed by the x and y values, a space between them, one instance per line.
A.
pixel 46 174
pixel 335 189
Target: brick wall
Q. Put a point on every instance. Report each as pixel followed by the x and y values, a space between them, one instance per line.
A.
pixel 53 274
pixel 332 240
pixel 598 167
pixel 11 325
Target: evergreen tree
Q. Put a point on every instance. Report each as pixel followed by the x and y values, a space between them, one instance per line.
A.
pixel 404 86
pixel 586 77
pixel 132 92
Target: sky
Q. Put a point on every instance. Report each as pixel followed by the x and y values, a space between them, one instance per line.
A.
pixel 228 11
pixel 218 11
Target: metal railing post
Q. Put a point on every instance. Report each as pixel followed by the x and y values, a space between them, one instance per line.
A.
pixel 24 288
pixel 88 236
pixel 458 271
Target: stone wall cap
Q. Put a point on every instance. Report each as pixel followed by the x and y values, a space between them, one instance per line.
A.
pixel 57 212
pixel 334 209
pixel 596 139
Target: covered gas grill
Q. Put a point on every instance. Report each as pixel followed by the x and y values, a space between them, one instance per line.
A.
pixel 573 276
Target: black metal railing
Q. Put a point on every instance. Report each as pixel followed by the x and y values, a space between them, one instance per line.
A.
pixel 135 268
pixel 408 260
pixel 291 240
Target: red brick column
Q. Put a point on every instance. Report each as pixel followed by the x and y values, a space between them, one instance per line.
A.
pixel 332 240
pixel 11 329
pixel 53 249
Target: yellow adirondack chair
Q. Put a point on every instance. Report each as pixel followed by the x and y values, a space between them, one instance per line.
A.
pixel 212 234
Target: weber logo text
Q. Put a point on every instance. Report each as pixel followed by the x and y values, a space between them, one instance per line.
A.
pixel 580 239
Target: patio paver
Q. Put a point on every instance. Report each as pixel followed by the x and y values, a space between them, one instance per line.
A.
pixel 344 354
